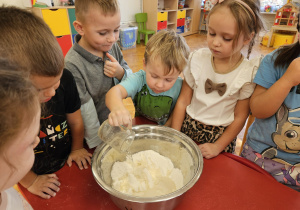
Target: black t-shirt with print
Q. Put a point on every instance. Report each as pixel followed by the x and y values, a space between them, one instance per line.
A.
pixel 55 138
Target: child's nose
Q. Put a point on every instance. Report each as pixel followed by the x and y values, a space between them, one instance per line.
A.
pixel 159 83
pixel 111 38
pixel 50 92
pixel 217 42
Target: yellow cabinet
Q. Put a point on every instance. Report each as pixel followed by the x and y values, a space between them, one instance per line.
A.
pixel 181 14
pixel 57 20
pixel 162 16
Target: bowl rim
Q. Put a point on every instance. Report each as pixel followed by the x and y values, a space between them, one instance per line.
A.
pixel 174 194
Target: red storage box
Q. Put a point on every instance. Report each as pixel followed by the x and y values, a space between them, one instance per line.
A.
pixel 161 25
pixel 180 22
pixel 65 43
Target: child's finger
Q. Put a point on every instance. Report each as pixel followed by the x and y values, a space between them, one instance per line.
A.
pixel 53 176
pixel 89 158
pixel 54 181
pixel 69 161
pixel 43 195
pixel 112 58
pixel 84 163
pixel 49 192
pixel 53 187
pixel 79 164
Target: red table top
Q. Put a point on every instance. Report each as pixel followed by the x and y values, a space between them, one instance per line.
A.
pixel 227 182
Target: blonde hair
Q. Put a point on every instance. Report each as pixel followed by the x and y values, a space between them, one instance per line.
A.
pixel 168 47
pixel 247 16
pixel 27 40
pixel 19 102
pixel 107 7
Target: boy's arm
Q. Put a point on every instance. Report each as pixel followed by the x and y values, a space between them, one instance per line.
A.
pixel 241 112
pixel 45 186
pixel 183 101
pixel 91 123
pixel 119 115
pixel 78 153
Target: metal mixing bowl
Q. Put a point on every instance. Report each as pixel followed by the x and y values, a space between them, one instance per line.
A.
pixel 182 151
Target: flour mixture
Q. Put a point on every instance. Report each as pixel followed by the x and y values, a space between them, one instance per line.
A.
pixel 146 174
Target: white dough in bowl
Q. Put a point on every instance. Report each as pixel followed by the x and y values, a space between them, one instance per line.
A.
pixel 146 174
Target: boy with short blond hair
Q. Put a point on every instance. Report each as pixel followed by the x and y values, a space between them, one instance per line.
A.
pixel 96 60
pixel 155 90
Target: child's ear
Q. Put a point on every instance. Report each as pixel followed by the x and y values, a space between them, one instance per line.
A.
pixel 78 27
pixel 247 40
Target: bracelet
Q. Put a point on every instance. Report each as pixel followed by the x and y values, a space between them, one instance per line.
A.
pixel 32 181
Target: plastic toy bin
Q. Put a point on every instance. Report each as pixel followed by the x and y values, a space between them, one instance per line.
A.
pixel 128 37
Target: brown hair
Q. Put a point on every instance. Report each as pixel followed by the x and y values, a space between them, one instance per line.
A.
pixel 19 101
pixel 107 7
pixel 27 40
pixel 246 22
pixel 168 47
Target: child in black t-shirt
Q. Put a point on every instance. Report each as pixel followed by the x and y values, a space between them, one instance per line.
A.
pixel 29 42
pixel 61 112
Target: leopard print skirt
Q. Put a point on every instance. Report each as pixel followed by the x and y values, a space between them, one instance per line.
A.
pixel 202 133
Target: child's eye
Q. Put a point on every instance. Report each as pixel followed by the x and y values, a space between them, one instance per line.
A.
pixel 227 40
pixel 116 31
pixel 169 80
pixel 211 34
pixel 102 33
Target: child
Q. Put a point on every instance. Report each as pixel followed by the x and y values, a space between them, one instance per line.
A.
pixel 214 101
pixel 155 90
pixel 28 41
pixel 273 140
pixel 95 60
pixel 19 125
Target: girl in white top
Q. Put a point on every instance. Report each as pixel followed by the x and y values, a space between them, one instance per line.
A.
pixel 19 126
pixel 214 101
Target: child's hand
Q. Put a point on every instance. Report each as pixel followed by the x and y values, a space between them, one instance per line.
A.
pixel 292 74
pixel 81 156
pixel 120 117
pixel 209 150
pixel 45 186
pixel 113 68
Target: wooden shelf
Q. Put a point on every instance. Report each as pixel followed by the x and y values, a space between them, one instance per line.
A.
pixel 167 10
pixel 174 15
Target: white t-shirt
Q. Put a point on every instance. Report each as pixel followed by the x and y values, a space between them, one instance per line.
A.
pixel 211 108
pixel 12 200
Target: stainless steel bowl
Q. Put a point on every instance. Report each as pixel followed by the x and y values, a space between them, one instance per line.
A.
pixel 182 151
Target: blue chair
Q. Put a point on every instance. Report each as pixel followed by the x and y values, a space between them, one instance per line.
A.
pixel 141 19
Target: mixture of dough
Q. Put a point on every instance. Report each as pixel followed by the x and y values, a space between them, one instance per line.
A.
pixel 146 174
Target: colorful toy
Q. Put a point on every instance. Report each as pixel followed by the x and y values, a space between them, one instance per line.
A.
pixel 267 8
pixel 285 24
pixel 287 15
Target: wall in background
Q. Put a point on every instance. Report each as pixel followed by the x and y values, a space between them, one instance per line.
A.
pixel 18 3
pixel 128 7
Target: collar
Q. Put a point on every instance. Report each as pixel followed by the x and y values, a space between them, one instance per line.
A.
pixel 229 70
pixel 86 54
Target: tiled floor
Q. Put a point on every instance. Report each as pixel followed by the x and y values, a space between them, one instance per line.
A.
pixel 134 58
